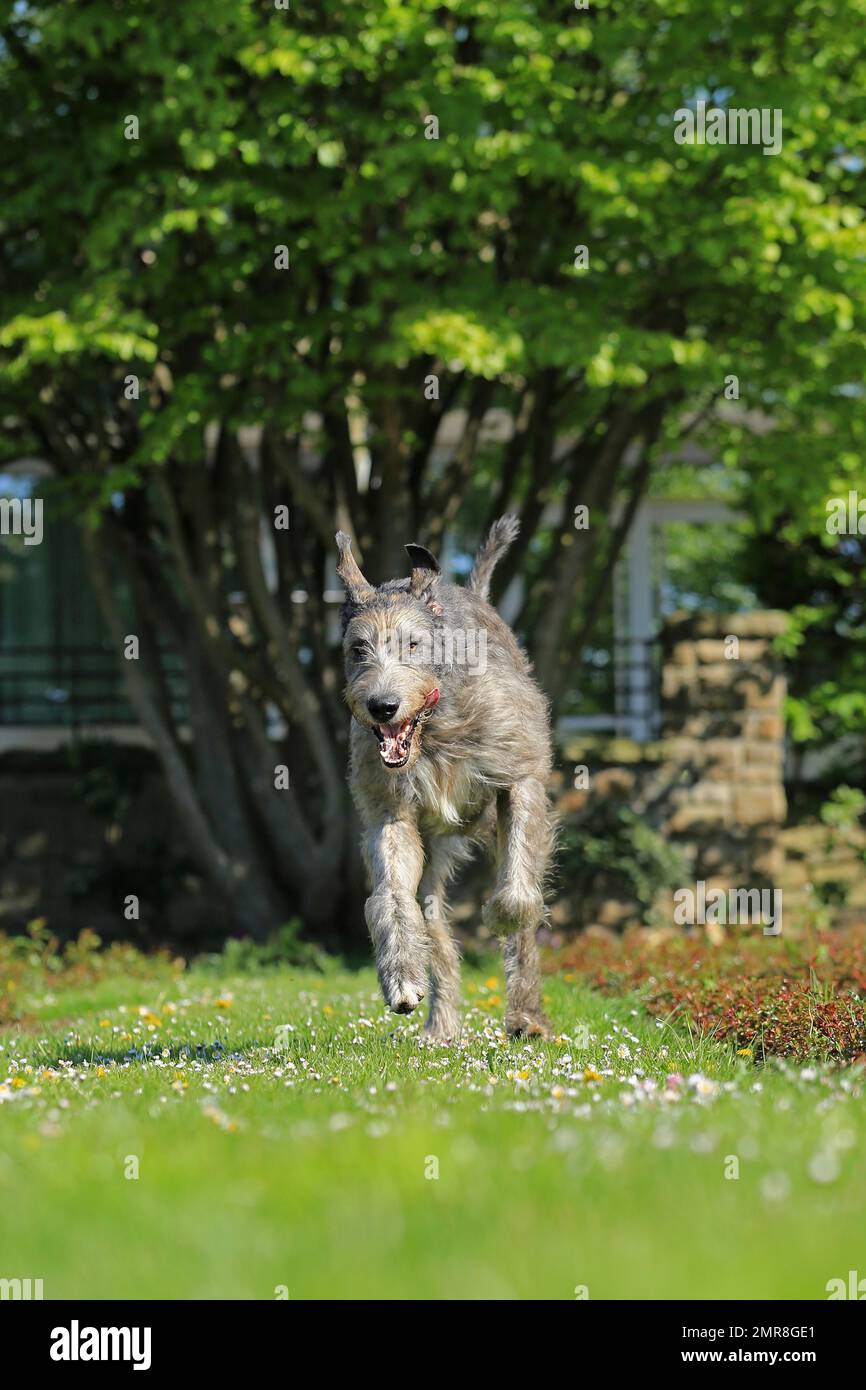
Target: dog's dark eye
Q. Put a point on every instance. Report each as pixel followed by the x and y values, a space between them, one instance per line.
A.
pixel 357 650
pixel 412 646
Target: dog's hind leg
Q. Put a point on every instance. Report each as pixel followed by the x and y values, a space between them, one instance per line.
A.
pixel 446 853
pixel 516 908
pixel 395 857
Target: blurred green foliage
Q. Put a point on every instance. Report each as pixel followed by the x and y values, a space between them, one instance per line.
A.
pixel 260 127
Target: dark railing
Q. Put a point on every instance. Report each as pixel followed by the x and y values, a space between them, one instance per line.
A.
pixel 618 689
pixel 70 686
pixel 637 686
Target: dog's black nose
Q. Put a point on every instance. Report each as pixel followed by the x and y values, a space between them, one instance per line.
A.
pixel 383 709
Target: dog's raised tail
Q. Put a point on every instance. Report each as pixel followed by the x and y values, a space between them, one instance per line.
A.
pixel 501 534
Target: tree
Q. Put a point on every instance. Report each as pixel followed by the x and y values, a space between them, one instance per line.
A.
pixel 257 258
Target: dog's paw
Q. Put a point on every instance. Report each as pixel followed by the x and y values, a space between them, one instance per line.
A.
pixel 524 1025
pixel 403 997
pixel 442 1028
pixel 509 911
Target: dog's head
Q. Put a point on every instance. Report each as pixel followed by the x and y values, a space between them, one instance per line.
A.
pixel 389 648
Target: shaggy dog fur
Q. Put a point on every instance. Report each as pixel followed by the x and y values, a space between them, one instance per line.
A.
pixel 450 747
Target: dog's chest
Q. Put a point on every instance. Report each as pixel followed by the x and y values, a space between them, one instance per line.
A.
pixel 447 793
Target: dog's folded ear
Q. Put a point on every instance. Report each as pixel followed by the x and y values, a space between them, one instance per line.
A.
pixel 357 587
pixel 425 569
pixel 425 573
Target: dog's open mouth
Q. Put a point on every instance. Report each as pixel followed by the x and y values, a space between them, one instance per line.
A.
pixel 395 740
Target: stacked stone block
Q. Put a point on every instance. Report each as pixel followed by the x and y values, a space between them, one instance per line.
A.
pixel 722 699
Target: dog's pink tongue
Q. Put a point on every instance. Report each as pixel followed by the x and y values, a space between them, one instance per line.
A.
pixel 391 734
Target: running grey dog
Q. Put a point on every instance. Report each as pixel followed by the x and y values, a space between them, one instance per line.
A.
pixel 450 747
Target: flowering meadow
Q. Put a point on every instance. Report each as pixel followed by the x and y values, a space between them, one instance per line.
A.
pixel 182 1131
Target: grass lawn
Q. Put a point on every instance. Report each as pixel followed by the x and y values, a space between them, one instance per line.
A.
pixel 288 1134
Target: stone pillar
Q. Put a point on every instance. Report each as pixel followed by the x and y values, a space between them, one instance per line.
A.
pixel 722 698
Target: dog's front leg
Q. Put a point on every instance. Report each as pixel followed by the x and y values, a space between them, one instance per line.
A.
pixel 517 906
pixel 395 857
pixel 523 847
pixel 445 852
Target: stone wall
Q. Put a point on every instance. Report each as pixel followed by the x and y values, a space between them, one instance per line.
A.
pixel 824 874
pixel 712 784
pixel 723 693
